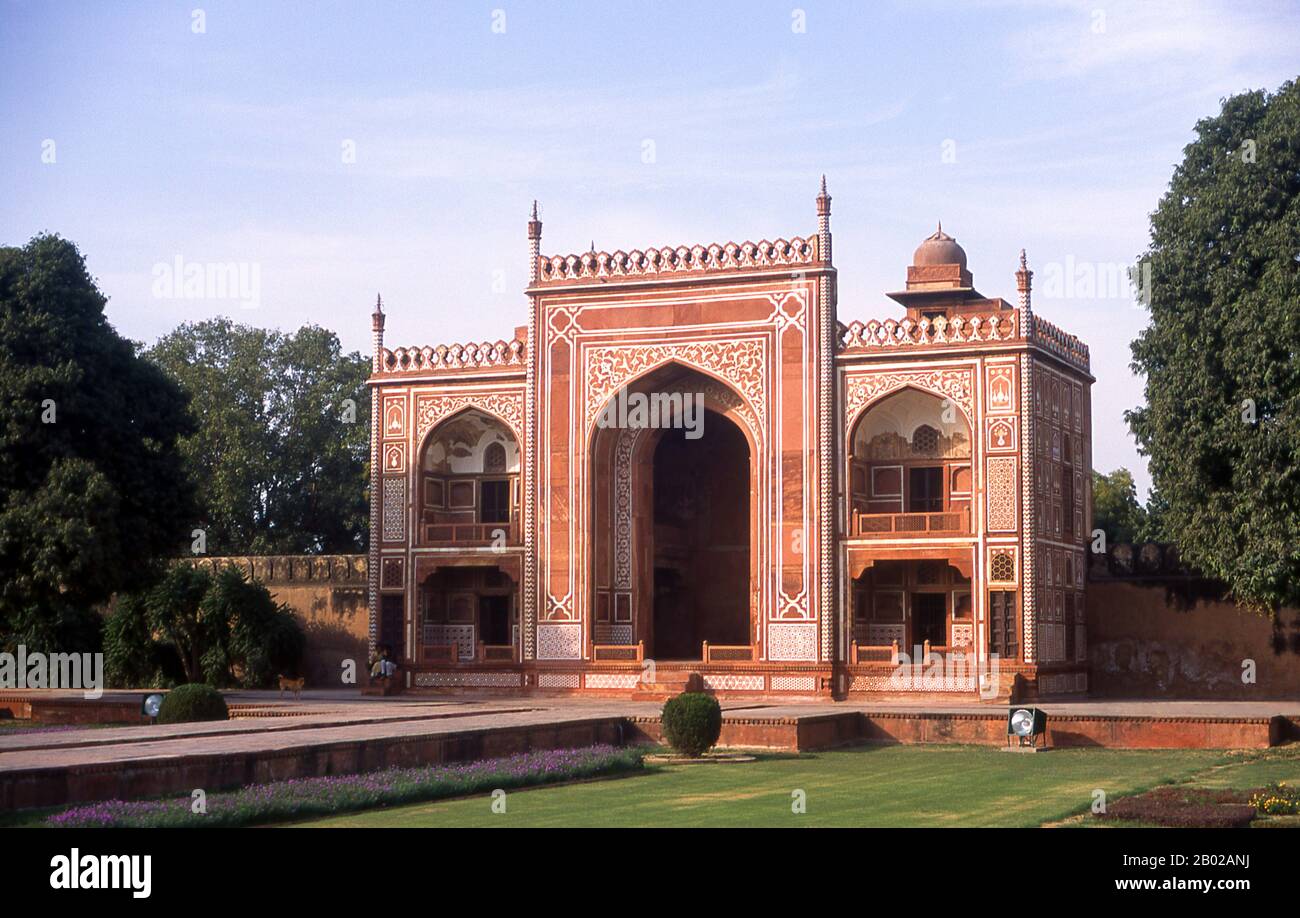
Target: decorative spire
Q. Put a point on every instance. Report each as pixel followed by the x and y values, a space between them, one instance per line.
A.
pixel 535 224
pixel 377 330
pixel 824 222
pixel 534 243
pixel 1024 286
pixel 823 200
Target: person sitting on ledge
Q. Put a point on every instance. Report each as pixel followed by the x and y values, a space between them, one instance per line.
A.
pixel 381 667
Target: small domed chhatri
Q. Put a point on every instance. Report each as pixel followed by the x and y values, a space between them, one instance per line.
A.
pixel 939 249
pixel 938 281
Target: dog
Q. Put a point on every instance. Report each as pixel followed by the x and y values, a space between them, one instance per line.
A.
pixel 293 685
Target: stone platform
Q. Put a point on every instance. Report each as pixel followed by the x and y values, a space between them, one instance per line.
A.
pixel 341 732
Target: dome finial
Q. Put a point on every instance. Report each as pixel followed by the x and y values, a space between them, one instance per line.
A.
pixel 939 249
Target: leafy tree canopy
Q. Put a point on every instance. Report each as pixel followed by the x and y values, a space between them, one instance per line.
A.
pixel 1221 355
pixel 1116 510
pixel 222 629
pixel 282 446
pixel 92 486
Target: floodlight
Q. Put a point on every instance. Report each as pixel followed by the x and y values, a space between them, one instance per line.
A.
pixel 150 704
pixel 1027 725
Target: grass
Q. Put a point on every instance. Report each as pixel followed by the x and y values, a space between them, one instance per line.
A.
pixel 864 786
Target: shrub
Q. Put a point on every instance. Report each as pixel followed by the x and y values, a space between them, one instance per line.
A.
pixel 692 722
pixel 196 701
pixel 194 626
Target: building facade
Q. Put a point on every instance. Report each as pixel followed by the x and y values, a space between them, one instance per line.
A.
pixel 685 469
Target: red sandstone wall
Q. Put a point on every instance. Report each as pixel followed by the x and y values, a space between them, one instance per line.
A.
pixel 1142 646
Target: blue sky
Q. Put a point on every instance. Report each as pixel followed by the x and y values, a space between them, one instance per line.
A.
pixel 1053 126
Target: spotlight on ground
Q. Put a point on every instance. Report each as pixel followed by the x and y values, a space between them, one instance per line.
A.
pixel 150 704
pixel 1028 725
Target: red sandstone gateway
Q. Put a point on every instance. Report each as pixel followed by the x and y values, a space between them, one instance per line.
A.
pixel 877 507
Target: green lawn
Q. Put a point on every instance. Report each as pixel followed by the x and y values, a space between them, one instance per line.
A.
pixel 864 786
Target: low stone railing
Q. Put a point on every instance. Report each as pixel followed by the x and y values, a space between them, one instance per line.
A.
pixel 452 357
pixel 678 260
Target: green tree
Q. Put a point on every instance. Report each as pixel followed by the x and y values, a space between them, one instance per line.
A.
pixel 92 485
pixel 282 446
pixel 1221 423
pixel 223 630
pixel 1115 507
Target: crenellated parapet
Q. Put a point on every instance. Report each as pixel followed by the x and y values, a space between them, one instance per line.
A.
pixel 697 259
pixel 487 355
pixel 1062 343
pixel 1006 325
pixel 339 570
pixel 1002 325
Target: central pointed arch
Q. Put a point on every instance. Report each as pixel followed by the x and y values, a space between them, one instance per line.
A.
pixel 674 546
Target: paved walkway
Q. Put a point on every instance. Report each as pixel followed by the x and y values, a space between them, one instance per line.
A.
pixel 325 717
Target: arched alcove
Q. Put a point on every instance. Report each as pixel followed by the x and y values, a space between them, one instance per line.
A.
pixel 910 453
pixel 469 482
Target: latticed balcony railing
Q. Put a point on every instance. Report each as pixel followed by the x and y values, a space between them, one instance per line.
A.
pixel 483 653
pixel 470 533
pixel 728 653
pixel 882 525
pixel 888 653
pixel 620 653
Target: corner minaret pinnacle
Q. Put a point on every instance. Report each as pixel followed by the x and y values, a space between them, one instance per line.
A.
pixel 1024 284
pixel 377 331
pixel 534 244
pixel 824 221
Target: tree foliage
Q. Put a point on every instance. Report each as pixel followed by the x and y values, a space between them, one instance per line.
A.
pixel 282 446
pixel 1221 355
pixel 223 630
pixel 92 486
pixel 1116 510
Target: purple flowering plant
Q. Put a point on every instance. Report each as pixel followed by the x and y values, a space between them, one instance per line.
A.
pixel 301 798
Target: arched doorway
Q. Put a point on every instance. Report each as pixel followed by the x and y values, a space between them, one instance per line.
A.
pixel 701 539
pixel 671 558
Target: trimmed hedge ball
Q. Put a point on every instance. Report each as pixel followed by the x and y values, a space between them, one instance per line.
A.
pixel 692 722
pixel 188 703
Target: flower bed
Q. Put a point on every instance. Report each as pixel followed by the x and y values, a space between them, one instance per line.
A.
pixel 1279 799
pixel 1185 807
pixel 307 797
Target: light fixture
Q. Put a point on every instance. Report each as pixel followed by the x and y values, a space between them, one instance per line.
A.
pixel 1027 725
pixel 151 704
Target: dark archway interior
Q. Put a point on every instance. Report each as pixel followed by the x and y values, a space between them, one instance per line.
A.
pixel 701 539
